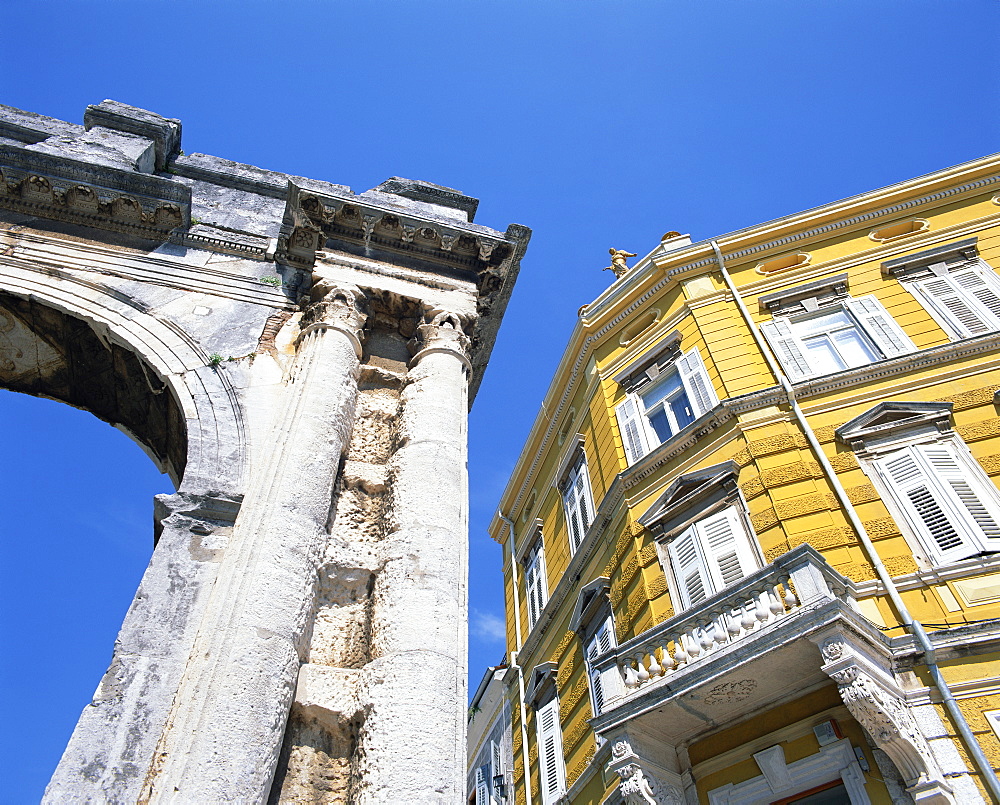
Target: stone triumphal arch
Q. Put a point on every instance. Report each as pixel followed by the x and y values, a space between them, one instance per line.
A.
pixel 300 359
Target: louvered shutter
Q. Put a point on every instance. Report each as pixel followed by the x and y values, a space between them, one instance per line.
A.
pixel 696 382
pixel 726 549
pixel 576 498
pixel 966 299
pixel 927 508
pixel 632 429
pixel 880 326
pixel 482 796
pixel 689 568
pixel 982 511
pixel 600 642
pixel 550 761
pixel 983 283
pixel 778 333
pixel 496 767
pixel 534 581
pixel 583 495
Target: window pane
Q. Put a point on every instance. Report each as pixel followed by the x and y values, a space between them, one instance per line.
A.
pixel 852 348
pixel 821 355
pixel 658 419
pixel 681 408
pixel 661 389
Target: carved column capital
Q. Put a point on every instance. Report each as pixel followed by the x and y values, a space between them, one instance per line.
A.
pixel 442 331
pixel 336 306
pixel 639 786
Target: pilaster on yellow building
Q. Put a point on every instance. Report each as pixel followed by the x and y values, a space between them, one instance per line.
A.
pixel 752 545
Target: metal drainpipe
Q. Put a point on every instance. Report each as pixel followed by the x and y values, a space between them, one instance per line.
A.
pixel 916 629
pixel 514 661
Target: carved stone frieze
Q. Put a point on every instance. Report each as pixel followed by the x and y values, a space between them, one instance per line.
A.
pixel 63 189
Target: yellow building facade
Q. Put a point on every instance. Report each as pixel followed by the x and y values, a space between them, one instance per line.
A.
pixel 752 545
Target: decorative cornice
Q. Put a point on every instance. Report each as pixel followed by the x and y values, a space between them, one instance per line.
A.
pixel 311 217
pixel 63 189
pixel 641 270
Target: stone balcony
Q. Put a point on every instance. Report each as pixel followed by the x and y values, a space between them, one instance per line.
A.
pixel 740 651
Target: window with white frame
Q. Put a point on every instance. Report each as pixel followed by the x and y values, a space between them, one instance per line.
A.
pixel 536 587
pixel 593 621
pixel 577 498
pixel 599 643
pixel 710 555
pixel 663 397
pixel 957 287
pixel 703 534
pixel 931 483
pixel 550 754
pixel 817 329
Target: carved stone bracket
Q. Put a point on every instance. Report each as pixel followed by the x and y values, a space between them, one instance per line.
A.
pixel 639 785
pixel 336 306
pixel 876 702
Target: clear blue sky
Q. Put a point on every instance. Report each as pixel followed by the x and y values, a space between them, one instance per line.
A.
pixel 596 124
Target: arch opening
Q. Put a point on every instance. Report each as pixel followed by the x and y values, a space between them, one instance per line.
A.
pixel 47 353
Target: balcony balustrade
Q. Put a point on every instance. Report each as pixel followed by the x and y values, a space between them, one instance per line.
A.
pixel 800 578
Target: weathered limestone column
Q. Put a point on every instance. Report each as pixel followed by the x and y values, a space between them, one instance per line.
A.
pixel 414 692
pixel 222 740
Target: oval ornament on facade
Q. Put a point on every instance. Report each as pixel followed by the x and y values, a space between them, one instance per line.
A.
pixel 786 262
pixel 899 230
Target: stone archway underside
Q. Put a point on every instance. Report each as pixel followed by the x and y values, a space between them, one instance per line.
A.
pixel 47 353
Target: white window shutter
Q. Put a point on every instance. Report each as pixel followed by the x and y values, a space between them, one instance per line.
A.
pixel 982 509
pixel 496 768
pixel 696 382
pixel 690 569
pixel 980 281
pixel 725 546
pixel 779 335
pixel 928 510
pixel 578 505
pixel 632 429
pixel 880 326
pixel 953 297
pixel 600 642
pixel 534 582
pixel 482 795
pixel 550 760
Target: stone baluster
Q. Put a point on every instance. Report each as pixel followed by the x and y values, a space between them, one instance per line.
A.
pixel 774 603
pixel 789 598
pixel 641 673
pixel 414 692
pixel 629 676
pixel 226 726
pixel 680 653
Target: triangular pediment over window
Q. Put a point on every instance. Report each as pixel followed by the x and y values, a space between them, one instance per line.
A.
pixel 591 598
pixel 889 420
pixel 542 683
pixel 692 494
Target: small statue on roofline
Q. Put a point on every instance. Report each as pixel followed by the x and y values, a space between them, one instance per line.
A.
pixel 618 258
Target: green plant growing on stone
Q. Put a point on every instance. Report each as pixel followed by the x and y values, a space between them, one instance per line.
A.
pixel 275 281
pixel 215 359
